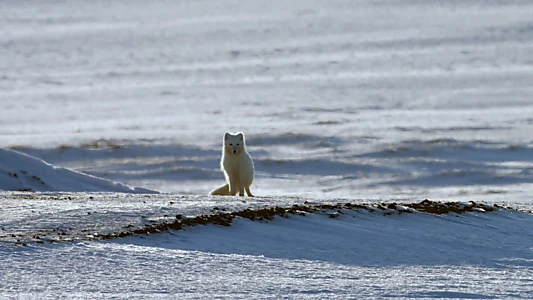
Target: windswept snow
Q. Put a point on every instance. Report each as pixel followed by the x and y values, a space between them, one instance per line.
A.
pixel 21 172
pixel 357 254
pixel 360 101
pixel 368 99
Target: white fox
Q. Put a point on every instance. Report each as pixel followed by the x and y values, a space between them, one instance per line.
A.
pixel 237 165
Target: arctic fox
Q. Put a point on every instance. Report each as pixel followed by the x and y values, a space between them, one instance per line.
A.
pixel 237 165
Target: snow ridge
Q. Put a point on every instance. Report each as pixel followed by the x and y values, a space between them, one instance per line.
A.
pixel 223 217
pixel 21 172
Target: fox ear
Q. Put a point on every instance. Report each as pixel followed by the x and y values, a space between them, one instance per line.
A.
pixel 241 136
pixel 226 136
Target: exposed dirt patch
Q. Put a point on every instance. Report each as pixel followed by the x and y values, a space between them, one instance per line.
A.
pixel 332 210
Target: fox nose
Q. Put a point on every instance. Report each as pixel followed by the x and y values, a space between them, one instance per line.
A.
pixel 234 151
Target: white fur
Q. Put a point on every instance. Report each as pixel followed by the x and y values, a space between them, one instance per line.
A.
pixel 237 165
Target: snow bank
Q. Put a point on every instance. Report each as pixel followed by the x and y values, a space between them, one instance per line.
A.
pixel 21 172
pixel 359 253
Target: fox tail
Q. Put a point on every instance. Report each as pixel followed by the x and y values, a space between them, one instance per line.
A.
pixel 221 191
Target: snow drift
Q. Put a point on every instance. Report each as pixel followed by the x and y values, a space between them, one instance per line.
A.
pixel 363 251
pixel 21 172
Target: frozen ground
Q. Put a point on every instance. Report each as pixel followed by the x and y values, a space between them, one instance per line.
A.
pixel 361 100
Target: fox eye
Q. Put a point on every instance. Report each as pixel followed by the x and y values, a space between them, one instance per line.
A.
pixel 237 144
pixel 231 144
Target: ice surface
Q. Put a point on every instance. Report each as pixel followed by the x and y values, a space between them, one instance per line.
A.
pixel 359 100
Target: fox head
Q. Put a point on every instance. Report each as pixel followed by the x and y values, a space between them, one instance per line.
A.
pixel 234 143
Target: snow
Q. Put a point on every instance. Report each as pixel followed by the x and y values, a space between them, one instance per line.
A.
pixel 343 101
pixel 358 254
pixel 21 172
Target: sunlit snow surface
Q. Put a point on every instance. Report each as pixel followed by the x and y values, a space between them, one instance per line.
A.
pixel 358 254
pixel 361 100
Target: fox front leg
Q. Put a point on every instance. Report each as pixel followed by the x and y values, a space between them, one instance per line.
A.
pixel 241 185
pixel 232 183
pixel 241 188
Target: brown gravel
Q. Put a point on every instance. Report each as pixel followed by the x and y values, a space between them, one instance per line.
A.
pixel 332 210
